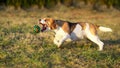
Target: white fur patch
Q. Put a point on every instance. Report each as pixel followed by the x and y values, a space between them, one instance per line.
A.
pixel 60 36
pixel 77 33
pixel 59 33
pixel 42 21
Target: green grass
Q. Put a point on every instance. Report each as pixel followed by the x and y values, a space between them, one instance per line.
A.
pixel 21 48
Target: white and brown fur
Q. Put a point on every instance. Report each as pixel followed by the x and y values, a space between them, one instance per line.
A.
pixel 65 30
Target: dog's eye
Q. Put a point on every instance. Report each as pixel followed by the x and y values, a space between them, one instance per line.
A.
pixel 39 19
pixel 45 20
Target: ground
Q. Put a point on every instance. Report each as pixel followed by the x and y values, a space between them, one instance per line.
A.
pixel 20 47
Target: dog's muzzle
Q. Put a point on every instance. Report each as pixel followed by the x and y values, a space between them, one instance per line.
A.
pixel 42 25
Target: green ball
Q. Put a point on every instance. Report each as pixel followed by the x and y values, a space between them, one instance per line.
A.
pixel 37 29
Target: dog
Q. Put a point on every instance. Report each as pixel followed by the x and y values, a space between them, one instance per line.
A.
pixel 65 30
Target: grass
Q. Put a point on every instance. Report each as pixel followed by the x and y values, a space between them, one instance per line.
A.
pixel 21 48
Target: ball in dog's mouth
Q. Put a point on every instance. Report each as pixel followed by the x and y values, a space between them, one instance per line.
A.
pixel 37 29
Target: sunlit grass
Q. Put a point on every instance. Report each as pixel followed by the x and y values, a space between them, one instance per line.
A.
pixel 21 48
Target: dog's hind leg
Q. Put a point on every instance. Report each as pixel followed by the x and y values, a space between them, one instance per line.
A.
pixel 96 40
pixel 91 34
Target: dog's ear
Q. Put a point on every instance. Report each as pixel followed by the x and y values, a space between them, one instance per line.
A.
pixel 50 20
pixel 54 26
pixel 47 20
pixel 51 23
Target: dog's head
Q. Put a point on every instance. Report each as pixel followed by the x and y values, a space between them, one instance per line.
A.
pixel 47 24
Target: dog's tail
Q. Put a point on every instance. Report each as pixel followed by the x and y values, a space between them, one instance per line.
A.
pixel 104 29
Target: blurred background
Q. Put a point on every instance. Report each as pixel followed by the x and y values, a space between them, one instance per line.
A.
pixel 93 4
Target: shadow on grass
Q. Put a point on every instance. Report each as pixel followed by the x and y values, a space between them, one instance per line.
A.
pixel 112 42
pixel 87 44
pixel 78 44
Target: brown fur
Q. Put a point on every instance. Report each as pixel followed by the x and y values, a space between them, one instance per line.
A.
pixel 51 23
pixel 93 28
pixel 66 27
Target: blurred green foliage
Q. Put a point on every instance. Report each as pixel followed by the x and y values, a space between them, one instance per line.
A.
pixel 52 3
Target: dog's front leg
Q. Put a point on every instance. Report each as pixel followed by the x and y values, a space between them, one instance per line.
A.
pixel 59 42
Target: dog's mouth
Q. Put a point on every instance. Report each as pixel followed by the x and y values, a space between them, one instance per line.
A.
pixel 44 27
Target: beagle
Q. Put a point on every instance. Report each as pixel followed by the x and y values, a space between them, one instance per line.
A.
pixel 65 30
